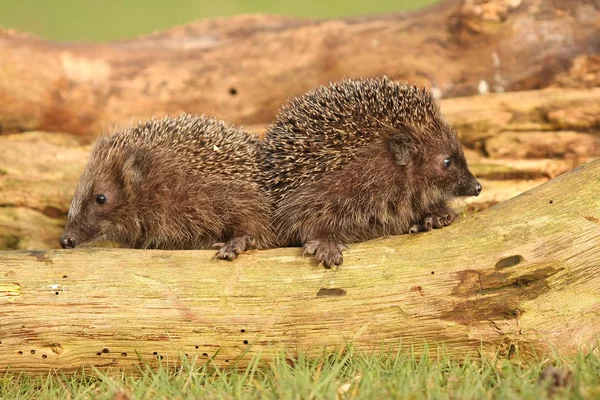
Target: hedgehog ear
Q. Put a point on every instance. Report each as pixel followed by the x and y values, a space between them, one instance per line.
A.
pixel 402 147
pixel 135 167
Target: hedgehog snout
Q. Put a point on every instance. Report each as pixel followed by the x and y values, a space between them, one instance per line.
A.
pixel 67 242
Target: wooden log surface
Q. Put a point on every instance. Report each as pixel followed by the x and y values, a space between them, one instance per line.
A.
pixel 520 276
pixel 243 68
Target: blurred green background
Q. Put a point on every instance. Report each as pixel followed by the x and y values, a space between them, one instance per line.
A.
pixel 114 19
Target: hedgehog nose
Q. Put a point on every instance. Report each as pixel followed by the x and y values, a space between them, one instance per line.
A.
pixel 67 243
pixel 478 189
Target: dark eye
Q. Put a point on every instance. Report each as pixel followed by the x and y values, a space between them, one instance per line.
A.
pixel 100 199
pixel 447 163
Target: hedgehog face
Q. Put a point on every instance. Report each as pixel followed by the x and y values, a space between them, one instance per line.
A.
pixel 449 173
pixel 99 209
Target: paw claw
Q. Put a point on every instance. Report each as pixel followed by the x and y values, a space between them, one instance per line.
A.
pixel 414 229
pixel 326 252
pixel 230 250
pixel 436 220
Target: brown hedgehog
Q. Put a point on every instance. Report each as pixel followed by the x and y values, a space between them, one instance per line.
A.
pixel 189 182
pixel 361 159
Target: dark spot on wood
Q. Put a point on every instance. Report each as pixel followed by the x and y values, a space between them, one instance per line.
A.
pixel 56 293
pixel 125 354
pixel 551 201
pixel 490 295
pixel 528 286
pixel 32 351
pixel 196 346
pixel 243 331
pixel 41 257
pixel 204 355
pixel 591 218
pixel 522 282
pixel 65 277
pixel 10 242
pixel 20 353
pixel 510 261
pixel 98 354
pixel 469 285
pixel 233 91
pixel 159 357
pixel 53 212
pixel 56 348
pixel 417 289
pixel 105 350
pixel 331 292
pixel 44 356
pixel 432 272
pixel 226 361
pixel 155 353
pixel 245 342
pixel 512 350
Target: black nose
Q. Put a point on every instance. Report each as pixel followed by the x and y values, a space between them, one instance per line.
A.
pixel 67 242
pixel 478 189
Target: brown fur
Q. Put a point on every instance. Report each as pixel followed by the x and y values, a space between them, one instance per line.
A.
pixel 188 182
pixel 361 159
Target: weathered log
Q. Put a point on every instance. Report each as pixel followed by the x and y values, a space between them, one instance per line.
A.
pixel 520 276
pixel 242 69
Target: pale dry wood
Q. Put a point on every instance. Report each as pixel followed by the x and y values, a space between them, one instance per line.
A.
pixel 520 276
pixel 243 68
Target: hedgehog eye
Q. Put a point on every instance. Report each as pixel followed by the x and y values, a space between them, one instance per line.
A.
pixel 447 163
pixel 100 199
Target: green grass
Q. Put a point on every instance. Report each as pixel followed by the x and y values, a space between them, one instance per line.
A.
pixel 345 376
pixel 116 19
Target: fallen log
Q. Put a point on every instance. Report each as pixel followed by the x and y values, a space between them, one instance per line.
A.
pixel 518 277
pixel 243 68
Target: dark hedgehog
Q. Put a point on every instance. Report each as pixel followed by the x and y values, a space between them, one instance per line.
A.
pixel 189 182
pixel 360 159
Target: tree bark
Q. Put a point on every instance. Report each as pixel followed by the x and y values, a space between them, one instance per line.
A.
pixel 243 68
pixel 518 277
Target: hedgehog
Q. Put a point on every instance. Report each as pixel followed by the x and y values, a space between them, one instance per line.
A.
pixel 360 159
pixel 185 182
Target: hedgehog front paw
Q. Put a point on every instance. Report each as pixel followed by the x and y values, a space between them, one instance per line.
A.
pixel 237 245
pixel 327 252
pixel 436 220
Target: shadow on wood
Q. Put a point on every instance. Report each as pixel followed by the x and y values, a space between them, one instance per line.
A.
pixel 522 275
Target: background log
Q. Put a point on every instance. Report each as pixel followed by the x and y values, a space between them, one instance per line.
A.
pixel 243 68
pixel 520 276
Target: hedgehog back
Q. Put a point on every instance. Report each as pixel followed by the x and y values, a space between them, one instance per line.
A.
pixel 324 129
pixel 198 144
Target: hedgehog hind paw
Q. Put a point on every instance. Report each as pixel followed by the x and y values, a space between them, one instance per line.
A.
pixel 328 253
pixel 230 250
